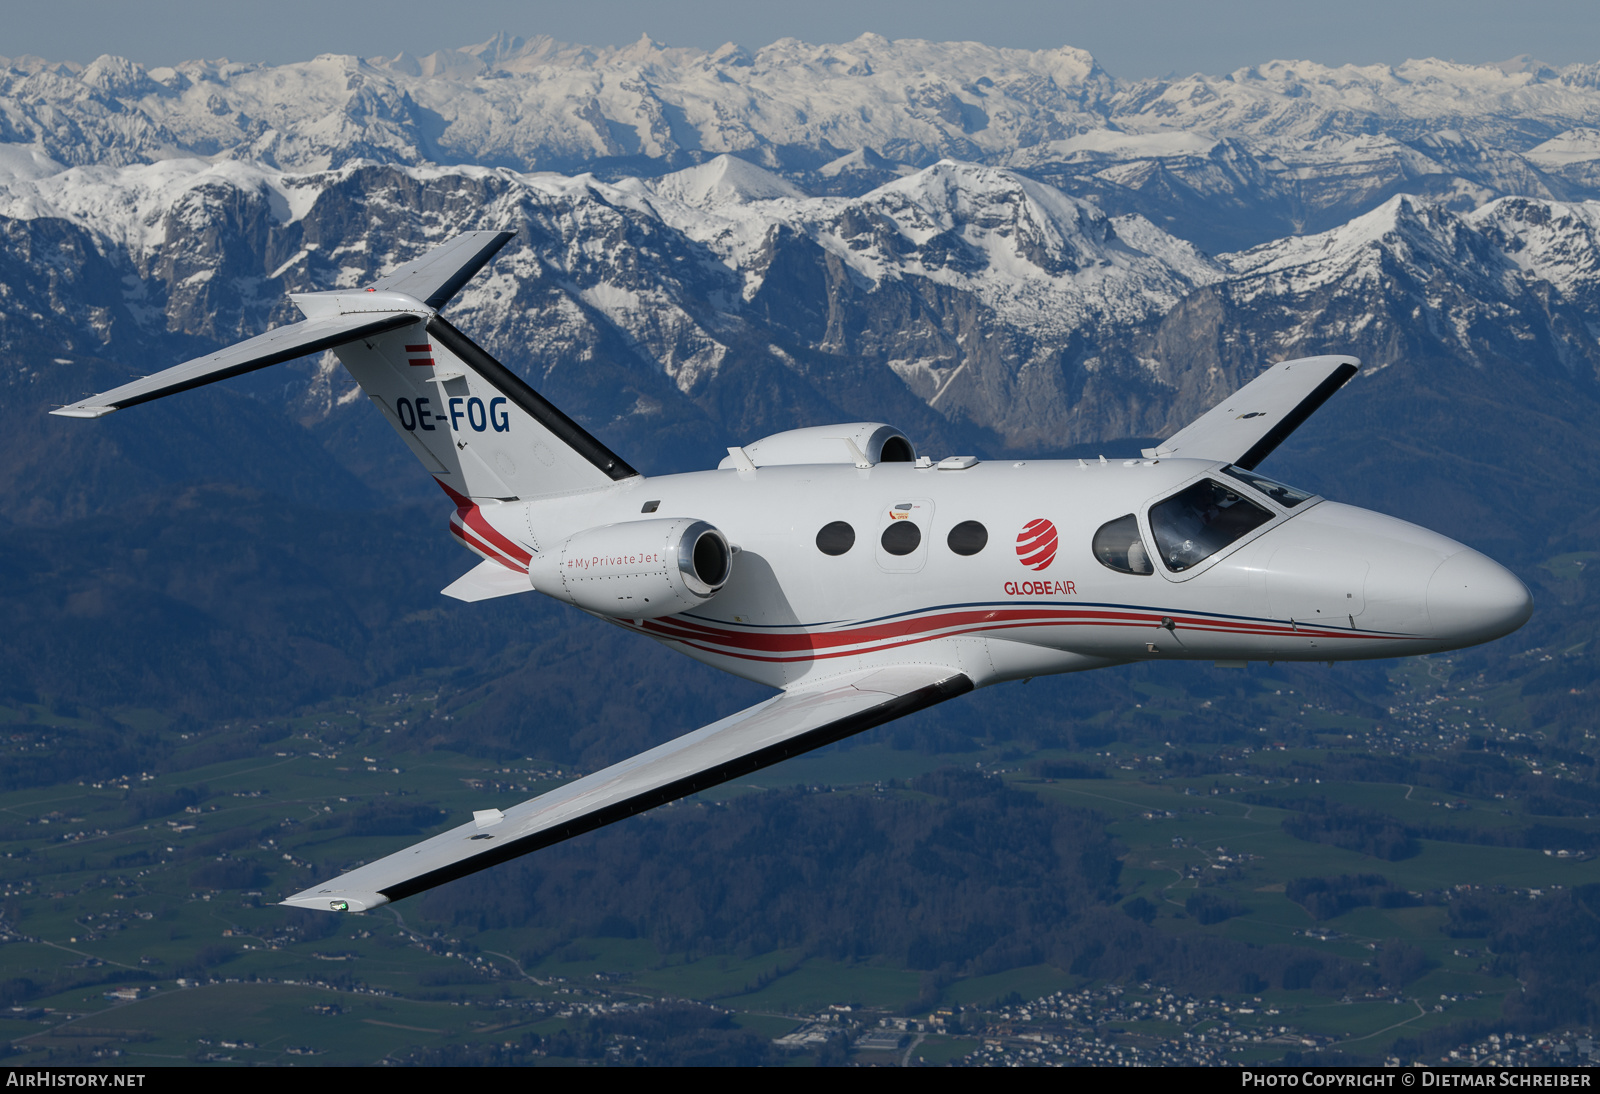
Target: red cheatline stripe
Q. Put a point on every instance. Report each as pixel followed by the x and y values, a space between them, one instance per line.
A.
pixel 473 517
pixel 919 630
pixel 475 520
pixel 483 548
pixel 419 349
pixel 814 657
pixel 1036 617
pixel 465 536
pixel 853 635
pixel 823 656
pixel 824 640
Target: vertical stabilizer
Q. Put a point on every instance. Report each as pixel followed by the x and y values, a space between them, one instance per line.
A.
pixel 472 422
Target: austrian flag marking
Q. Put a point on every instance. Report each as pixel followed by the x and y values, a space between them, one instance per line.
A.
pixel 425 360
pixel 1036 544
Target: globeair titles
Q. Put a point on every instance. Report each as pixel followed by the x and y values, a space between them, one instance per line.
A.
pixel 1040 588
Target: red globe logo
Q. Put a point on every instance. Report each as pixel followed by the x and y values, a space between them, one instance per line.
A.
pixel 1036 544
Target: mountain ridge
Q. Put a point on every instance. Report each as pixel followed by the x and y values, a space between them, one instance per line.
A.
pixel 1293 145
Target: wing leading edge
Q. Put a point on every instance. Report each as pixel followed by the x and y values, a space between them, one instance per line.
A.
pixel 1245 427
pixel 759 736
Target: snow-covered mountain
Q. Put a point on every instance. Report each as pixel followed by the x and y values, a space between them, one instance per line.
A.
pixel 667 277
pixel 1224 161
pixel 976 295
pixel 994 249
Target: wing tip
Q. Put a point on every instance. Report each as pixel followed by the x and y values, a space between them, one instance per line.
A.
pixel 80 411
pixel 334 900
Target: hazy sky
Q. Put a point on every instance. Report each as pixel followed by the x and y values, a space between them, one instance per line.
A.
pixel 1131 38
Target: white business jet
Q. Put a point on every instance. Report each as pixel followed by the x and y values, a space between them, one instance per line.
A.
pixel 835 563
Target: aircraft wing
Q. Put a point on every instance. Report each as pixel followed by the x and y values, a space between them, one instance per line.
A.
pixel 786 725
pixel 1246 426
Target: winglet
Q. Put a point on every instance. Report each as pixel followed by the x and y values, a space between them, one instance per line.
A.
pixel 1245 427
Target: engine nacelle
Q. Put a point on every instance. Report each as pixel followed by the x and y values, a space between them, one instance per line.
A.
pixel 849 442
pixel 639 569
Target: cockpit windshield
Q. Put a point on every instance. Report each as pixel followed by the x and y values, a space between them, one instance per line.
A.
pixel 1286 496
pixel 1196 523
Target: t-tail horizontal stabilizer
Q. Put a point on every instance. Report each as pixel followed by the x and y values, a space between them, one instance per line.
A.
pixel 487 580
pixel 786 725
pixel 274 347
pixel 1245 427
pixel 412 292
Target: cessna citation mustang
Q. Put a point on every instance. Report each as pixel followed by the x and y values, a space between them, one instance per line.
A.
pixel 836 564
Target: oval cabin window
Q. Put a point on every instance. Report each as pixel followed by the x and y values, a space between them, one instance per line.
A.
pixel 901 538
pixel 836 538
pixel 968 538
pixel 1118 546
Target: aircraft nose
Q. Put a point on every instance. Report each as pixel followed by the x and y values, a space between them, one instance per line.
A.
pixel 1474 599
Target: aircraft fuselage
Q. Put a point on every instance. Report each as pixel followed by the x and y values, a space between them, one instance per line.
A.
pixel 1301 578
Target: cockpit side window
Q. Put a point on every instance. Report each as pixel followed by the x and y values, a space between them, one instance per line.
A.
pixel 1285 495
pixel 1196 523
pixel 1118 546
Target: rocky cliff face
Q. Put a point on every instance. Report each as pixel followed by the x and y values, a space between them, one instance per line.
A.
pixel 975 295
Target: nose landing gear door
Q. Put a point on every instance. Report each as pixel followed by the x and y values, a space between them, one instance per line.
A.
pixel 904 529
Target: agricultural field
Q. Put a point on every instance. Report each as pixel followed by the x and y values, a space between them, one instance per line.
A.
pixel 140 923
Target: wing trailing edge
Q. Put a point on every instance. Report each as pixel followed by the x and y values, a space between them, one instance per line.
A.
pixel 786 725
